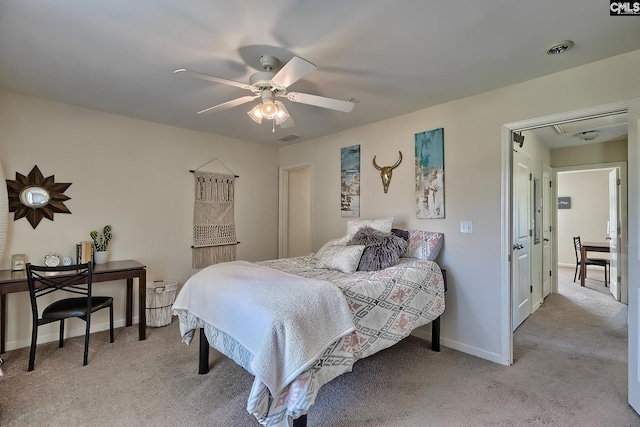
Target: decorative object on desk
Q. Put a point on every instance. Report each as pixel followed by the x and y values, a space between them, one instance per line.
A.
pixel 84 251
pixel 52 260
pixel 18 262
pixel 66 261
pixel 350 181
pixel 36 197
pixel 386 172
pixel 101 244
pixel 430 174
pixel 100 257
pixel 214 229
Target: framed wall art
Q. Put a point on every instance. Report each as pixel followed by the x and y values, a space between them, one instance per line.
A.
pixel 430 174
pixel 350 181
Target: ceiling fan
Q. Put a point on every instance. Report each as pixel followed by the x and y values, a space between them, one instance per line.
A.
pixel 269 85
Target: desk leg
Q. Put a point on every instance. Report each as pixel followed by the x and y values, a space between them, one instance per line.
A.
pixel 583 266
pixel 142 305
pixel 3 320
pixel 129 303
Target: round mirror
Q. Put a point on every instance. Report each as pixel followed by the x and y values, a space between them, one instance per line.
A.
pixel 34 197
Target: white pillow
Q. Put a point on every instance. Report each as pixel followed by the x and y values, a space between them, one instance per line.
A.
pixel 382 224
pixel 334 242
pixel 341 258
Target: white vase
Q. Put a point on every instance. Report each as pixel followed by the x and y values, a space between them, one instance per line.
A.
pixel 100 257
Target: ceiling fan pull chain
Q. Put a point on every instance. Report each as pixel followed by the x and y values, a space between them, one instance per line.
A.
pixel 273 127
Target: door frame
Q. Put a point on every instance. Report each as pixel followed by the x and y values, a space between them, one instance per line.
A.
pixel 506 208
pixel 283 204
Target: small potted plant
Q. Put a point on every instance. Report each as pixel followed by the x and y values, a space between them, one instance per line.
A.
pixel 101 244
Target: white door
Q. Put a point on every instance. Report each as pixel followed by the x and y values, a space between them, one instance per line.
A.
pixel 294 217
pixel 633 283
pixel 521 248
pixel 613 234
pixel 547 209
pixel 299 213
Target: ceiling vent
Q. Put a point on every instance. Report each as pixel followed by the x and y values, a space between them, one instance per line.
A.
pixel 290 137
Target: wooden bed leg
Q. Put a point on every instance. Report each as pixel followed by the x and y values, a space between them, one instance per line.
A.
pixel 435 334
pixel 301 421
pixel 203 365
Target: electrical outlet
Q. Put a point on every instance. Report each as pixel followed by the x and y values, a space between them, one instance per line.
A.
pixel 466 227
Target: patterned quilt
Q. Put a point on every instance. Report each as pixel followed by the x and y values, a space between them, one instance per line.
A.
pixel 386 305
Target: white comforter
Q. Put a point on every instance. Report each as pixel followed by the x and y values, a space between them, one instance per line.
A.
pixel 273 314
pixel 386 306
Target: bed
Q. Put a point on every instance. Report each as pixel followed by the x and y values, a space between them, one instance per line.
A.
pixel 383 306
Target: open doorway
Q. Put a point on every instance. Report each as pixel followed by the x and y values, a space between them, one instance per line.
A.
pixel 518 128
pixel 536 241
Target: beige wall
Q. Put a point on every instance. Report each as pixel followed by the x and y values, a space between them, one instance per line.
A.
pixel 472 126
pixel 606 152
pixel 133 175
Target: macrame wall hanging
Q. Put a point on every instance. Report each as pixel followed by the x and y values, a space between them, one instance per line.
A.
pixel 214 229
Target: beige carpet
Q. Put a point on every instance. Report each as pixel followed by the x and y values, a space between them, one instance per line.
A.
pixel 570 370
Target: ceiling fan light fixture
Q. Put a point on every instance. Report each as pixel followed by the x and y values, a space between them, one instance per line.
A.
pixel 282 114
pixel 256 114
pixel 268 109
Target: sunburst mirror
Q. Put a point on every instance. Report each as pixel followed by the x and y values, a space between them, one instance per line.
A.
pixel 35 197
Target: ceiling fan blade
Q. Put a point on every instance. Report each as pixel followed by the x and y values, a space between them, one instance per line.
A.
pixel 320 101
pixel 293 71
pixel 288 123
pixel 229 104
pixel 212 78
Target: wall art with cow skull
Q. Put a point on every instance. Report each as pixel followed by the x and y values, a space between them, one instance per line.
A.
pixel 430 174
pixel 386 172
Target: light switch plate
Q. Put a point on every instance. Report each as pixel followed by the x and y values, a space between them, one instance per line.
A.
pixel 466 227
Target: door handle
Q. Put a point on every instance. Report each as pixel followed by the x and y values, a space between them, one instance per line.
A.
pixel 518 246
pixel 546 240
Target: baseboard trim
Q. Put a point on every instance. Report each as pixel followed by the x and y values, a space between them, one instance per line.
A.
pixel 455 345
pixel 69 333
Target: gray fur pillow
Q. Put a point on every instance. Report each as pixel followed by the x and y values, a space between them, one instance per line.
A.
pixel 381 250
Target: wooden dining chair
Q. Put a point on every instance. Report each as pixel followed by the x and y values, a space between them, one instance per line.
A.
pixel 602 262
pixel 71 278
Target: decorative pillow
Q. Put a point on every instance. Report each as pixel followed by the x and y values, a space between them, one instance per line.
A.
pixel 424 244
pixel 381 250
pixel 401 233
pixel 382 224
pixel 341 258
pixel 334 242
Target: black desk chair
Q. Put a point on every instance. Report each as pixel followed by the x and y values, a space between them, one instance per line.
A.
pixel 602 262
pixel 76 279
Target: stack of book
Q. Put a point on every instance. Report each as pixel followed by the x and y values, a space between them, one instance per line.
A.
pixel 84 252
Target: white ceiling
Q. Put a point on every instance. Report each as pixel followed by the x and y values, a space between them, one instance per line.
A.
pixel 563 135
pixel 393 58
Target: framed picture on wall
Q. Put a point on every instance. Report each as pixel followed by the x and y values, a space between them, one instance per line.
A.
pixel 430 174
pixel 350 181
